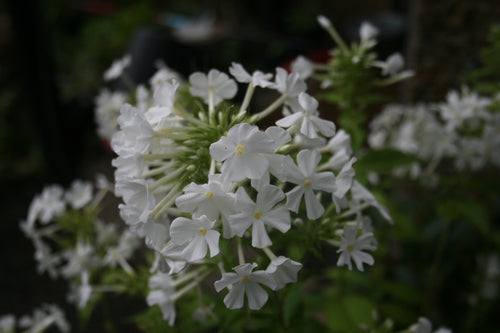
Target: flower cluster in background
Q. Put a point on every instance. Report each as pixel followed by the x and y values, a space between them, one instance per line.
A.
pixel 464 129
pixel 72 242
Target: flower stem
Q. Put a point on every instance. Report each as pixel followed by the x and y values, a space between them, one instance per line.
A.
pixel 269 253
pixel 248 96
pixel 264 113
pixel 241 258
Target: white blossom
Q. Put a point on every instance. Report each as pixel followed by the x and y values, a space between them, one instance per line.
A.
pixel 257 78
pixel 306 117
pixel 241 150
pixel 260 214
pixel 307 180
pixel 215 82
pixel 352 247
pixel 198 234
pixel 245 282
pixel 79 194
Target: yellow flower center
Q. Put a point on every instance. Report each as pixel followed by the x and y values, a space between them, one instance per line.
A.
pixel 209 194
pixel 257 214
pixel 244 278
pixel 306 183
pixel 240 149
pixel 202 230
pixel 350 247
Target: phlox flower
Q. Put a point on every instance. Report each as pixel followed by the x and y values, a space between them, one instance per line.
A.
pixel 360 193
pixel 302 66
pixel 283 270
pixel 289 84
pixel 352 247
pixel 306 117
pixel 161 294
pixel 51 203
pixel 307 179
pixel 79 259
pixel 216 82
pixel 199 235
pixel 245 282
pixel 241 151
pixel 260 214
pixel 368 33
pixel 257 78
pixel 212 199
pixel 135 132
pixel 425 326
pixel 164 98
pixel 43 318
pixel 79 194
pixel 107 110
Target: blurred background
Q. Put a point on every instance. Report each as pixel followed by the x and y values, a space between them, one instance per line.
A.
pixel 53 54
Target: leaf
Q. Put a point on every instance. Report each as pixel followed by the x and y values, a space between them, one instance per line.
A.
pixel 350 314
pixel 291 305
pixel 383 160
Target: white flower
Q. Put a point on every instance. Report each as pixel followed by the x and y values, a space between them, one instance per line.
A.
pixel 162 75
pixel 360 193
pixel 79 194
pixel 210 199
pixel 257 78
pixel 107 109
pixel 117 68
pixel 43 318
pixel 351 248
pixel 139 201
pixel 80 259
pixel 425 326
pixel 307 117
pixel 392 66
pixel 368 32
pixel 8 323
pixel 245 282
pixel 161 294
pixel 343 181
pixel 303 66
pixel 215 82
pixel 341 141
pixel 51 203
pixel 289 84
pixel 283 270
pixel 260 214
pixel 46 260
pixel 199 235
pixel 241 150
pixel 307 180
pixel 135 132
pixel 160 114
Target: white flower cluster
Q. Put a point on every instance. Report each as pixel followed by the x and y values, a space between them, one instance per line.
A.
pixel 109 102
pixel 43 318
pixel 203 184
pixel 463 129
pixel 69 238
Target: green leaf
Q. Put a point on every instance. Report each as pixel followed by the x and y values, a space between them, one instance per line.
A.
pixel 291 305
pixel 350 314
